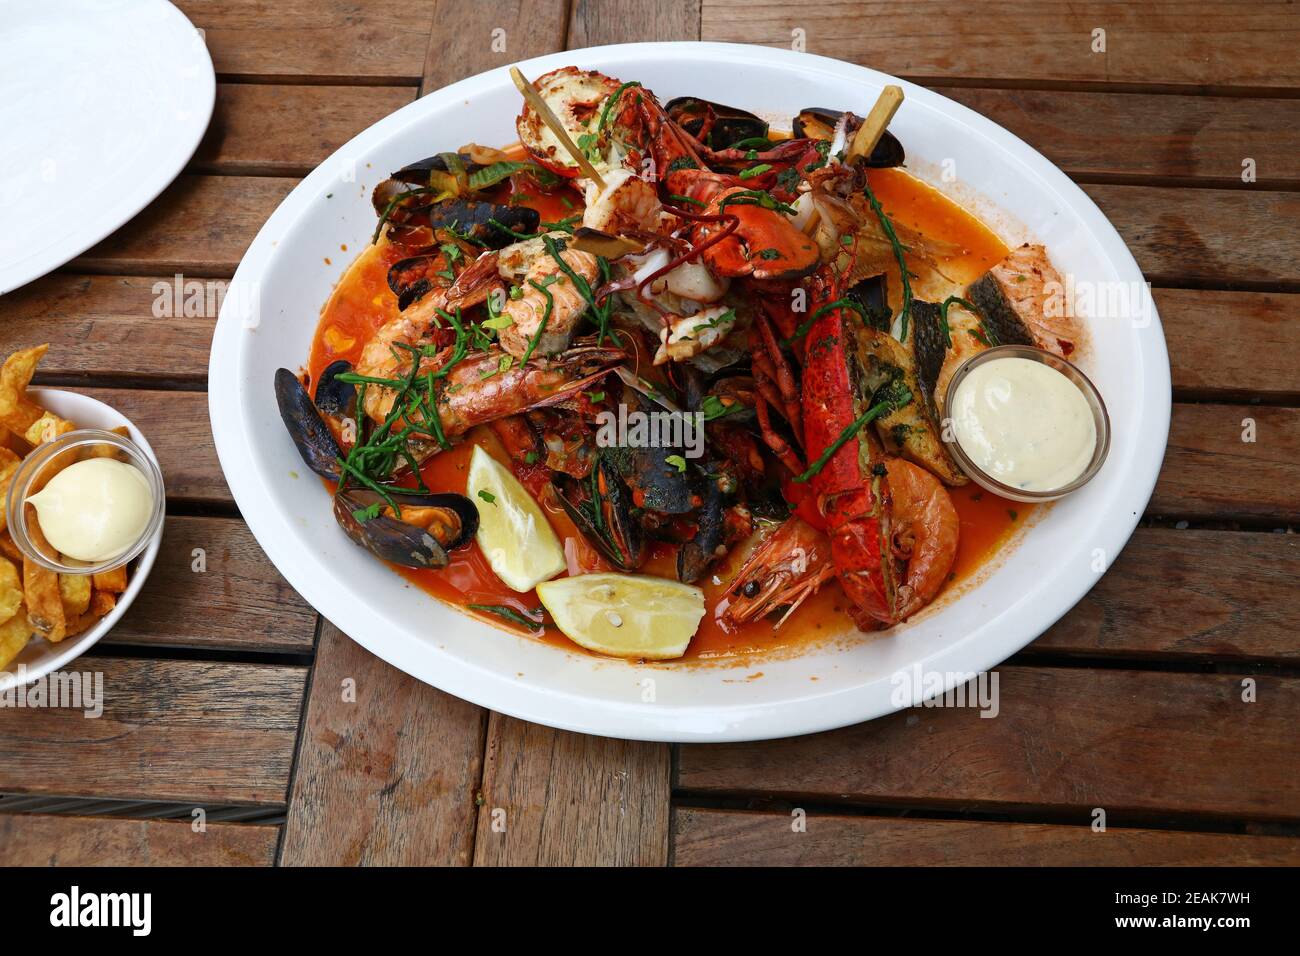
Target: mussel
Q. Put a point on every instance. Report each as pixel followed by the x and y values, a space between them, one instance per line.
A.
pixel 427 528
pixel 313 438
pixel 336 400
pixel 816 122
pixel 601 506
pixel 715 125
pixel 411 223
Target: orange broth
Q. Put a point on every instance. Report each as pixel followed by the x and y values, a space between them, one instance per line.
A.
pixel 361 302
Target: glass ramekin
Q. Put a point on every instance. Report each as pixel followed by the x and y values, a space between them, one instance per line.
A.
pixel 1099 416
pixel 37 465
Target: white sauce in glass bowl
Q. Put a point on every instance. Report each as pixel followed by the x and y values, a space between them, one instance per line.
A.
pixel 1024 423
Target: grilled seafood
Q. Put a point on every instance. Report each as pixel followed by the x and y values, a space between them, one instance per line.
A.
pixel 748 287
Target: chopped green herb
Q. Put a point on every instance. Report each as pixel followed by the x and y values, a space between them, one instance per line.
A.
pixel 510 614
pixel 487 496
pixel 677 461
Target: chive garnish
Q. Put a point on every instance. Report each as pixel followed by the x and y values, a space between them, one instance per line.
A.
pixel 509 614
pixel 888 227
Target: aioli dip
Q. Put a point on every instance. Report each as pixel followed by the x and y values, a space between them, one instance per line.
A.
pixel 1024 423
pixel 95 509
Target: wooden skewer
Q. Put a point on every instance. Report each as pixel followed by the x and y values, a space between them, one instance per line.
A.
pixel 550 119
pixel 873 127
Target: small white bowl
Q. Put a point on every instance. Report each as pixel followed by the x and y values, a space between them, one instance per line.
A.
pixel 40 657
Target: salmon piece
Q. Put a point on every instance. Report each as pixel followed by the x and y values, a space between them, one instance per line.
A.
pixel 1023 302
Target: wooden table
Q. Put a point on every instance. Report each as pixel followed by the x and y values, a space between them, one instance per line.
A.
pixel 225 688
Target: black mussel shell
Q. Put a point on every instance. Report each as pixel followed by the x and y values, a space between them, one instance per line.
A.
pixel 335 399
pixel 608 523
pixel 417 173
pixel 872 293
pixel 730 124
pixel 474 218
pixel 412 278
pixel 430 526
pixel 695 556
pixel 816 122
pixel 308 430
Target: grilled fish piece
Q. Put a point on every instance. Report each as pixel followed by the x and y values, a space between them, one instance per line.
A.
pixel 1022 300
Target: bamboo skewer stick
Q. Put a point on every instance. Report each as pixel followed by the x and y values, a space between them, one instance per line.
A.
pixel 873 127
pixel 550 119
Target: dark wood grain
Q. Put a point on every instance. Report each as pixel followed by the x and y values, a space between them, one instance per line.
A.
pixel 732 838
pixel 1231 345
pixel 329 40
pixel 33 839
pixel 1220 237
pixel 170 730
pixel 176 424
pixel 1209 471
pixel 386 778
pixel 598 22
pixel 1166 43
pixel 553 798
pixel 1236 599
pixel 469 38
pixel 104 328
pixel 213 587
pixel 1149 137
pixel 199 226
pixel 267 130
pixel 1069 739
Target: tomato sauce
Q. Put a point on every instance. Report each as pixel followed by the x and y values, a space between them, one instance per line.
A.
pixel 361 303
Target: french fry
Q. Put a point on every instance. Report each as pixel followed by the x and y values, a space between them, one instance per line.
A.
pixel 74 590
pixel 101 602
pixel 41 588
pixel 7 473
pixel 108 451
pixel 113 581
pixel 7 546
pixel 47 428
pixel 11 590
pixel 17 413
pixel 14 635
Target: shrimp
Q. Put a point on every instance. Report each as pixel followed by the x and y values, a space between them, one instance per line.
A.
pixel 550 304
pixel 923 534
pixel 785 570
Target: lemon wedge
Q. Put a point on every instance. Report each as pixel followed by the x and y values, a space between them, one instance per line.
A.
pixel 625 615
pixel 513 532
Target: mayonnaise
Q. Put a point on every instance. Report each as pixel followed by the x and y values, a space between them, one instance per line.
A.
pixel 94 510
pixel 1024 423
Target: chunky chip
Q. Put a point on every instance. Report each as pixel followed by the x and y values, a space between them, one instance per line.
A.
pixel 113 581
pixel 47 428
pixel 41 589
pixel 74 590
pixel 14 635
pixel 11 590
pixel 17 413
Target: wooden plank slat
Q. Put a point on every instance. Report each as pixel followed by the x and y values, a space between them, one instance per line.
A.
pixel 1241 604
pixel 34 839
pixel 1183 43
pixel 598 22
pixel 386 778
pixel 238 601
pixel 104 327
pixel 1209 471
pixel 704 837
pixel 1063 738
pixel 1231 345
pixel 326 40
pixel 553 798
pixel 469 38
pixel 266 130
pixel 170 730
pixel 1098 136
pixel 176 424
pixel 1224 237
pixel 199 226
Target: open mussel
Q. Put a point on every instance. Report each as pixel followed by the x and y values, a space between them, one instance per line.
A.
pixel 336 400
pixel 816 122
pixel 715 125
pixel 420 535
pixel 302 419
pixel 601 506
pixel 872 295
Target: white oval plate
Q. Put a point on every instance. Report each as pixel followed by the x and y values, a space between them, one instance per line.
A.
pixel 104 103
pixel 282 283
pixel 40 657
